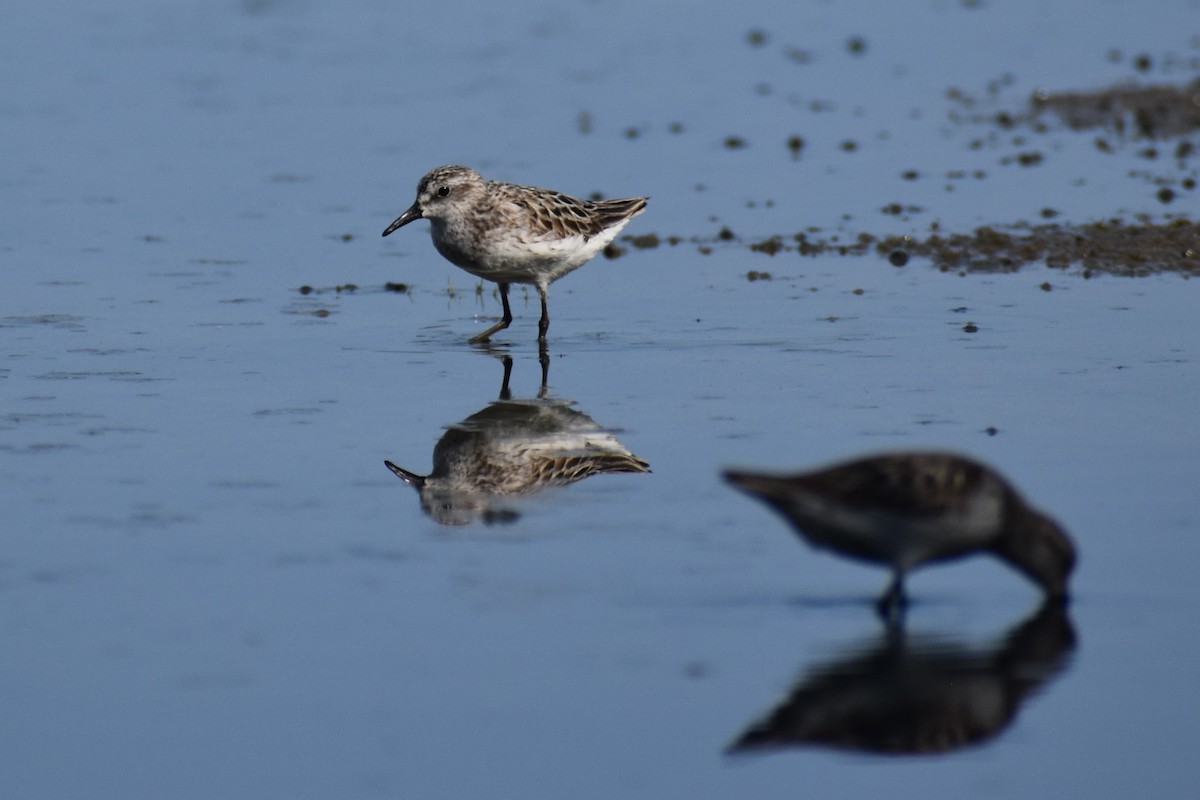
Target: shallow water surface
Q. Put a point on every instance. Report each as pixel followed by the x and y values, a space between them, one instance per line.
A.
pixel 211 585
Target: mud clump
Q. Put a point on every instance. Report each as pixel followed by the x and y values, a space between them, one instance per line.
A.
pixel 1112 247
pixel 645 241
pixel 1150 112
pixel 1115 247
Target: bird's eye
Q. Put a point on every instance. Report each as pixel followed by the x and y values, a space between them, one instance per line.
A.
pixel 443 191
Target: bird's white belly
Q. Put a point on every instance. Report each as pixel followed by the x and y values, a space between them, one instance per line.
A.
pixel 511 256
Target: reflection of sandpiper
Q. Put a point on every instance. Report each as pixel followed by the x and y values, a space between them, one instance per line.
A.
pixel 511 448
pixel 908 509
pixel 907 695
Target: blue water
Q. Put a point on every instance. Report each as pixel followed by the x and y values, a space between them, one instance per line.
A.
pixel 210 586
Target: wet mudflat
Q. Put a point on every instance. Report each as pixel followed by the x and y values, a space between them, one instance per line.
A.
pixel 211 585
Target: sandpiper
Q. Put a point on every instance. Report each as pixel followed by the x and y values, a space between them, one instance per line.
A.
pixel 509 234
pixel 907 509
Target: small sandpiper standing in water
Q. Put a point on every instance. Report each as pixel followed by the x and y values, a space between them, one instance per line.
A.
pixel 911 508
pixel 509 234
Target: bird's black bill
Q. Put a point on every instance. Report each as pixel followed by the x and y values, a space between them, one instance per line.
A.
pixel 411 478
pixel 404 219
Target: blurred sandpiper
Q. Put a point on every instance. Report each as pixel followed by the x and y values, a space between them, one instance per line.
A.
pixel 908 509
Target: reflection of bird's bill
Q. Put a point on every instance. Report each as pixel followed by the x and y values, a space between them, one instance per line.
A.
pixel 413 213
pixel 411 478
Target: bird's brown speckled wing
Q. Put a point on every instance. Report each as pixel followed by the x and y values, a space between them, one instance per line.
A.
pixel 548 214
pixel 918 484
pixel 560 470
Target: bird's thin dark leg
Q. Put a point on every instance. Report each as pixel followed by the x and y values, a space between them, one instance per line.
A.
pixel 504 322
pixel 544 360
pixel 505 392
pixel 544 322
pixel 894 602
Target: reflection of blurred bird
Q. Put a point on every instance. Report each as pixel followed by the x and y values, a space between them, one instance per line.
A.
pixel 514 447
pixel 905 695
pixel 909 509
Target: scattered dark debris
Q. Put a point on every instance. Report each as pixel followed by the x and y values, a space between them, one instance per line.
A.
pixel 857 292
pixel 150 237
pixel 1165 195
pixel 350 288
pixel 726 235
pixel 856 45
pixel 346 237
pixel 675 127
pixel 613 250
pixel 910 175
pixel 970 327
pixel 849 145
pixel 991 430
pixel 632 133
pixel 896 209
pixel 795 144
pixel 734 143
pixel 769 246
pixel 1048 213
pixel 645 241
pixel 308 311
pixel 1029 158
pixel 757 275
pixel 756 37
pixel 1045 286
pixel 798 55
pixel 898 258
